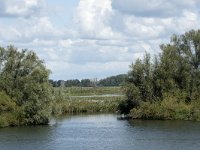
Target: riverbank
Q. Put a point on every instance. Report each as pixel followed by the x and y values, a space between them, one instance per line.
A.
pixel 64 101
pixel 170 108
pixel 86 100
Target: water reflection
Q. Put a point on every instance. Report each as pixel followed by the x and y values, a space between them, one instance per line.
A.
pixel 102 132
pixel 25 137
pixel 167 134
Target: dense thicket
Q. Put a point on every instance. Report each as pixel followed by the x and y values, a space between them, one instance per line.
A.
pixel 25 87
pixel 175 73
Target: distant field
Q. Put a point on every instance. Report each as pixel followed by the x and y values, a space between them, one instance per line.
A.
pixel 89 91
pixel 87 99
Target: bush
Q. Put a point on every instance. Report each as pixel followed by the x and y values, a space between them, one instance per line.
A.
pixel 6 104
pixel 9 111
pixel 168 109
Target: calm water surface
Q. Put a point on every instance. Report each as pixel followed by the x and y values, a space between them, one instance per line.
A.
pixel 103 132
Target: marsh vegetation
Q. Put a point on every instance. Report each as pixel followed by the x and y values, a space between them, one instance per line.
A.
pixel 86 100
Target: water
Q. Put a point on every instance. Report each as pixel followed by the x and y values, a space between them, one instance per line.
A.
pixel 103 132
pixel 103 95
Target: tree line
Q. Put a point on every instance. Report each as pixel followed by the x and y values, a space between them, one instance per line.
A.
pixel 117 80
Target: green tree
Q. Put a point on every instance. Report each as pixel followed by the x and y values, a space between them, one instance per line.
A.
pixel 190 46
pixel 24 77
pixel 117 80
pixel 85 83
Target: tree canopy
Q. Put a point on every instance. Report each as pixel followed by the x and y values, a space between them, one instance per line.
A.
pixel 24 78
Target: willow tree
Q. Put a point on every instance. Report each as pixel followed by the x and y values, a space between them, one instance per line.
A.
pixel 24 77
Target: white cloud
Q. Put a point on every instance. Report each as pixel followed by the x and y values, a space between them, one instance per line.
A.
pixel 66 43
pixel 93 17
pixel 142 28
pixel 29 30
pixel 151 28
pixel 9 33
pixel 41 27
pixel 20 8
pixel 154 8
pixel 102 39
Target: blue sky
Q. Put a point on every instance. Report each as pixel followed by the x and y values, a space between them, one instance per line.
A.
pixel 93 38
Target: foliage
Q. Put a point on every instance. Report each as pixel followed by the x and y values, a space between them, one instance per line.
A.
pixel 86 83
pixel 85 100
pixel 9 112
pixel 169 108
pixel 71 83
pixel 176 71
pixel 117 80
pixel 62 107
pixel 24 78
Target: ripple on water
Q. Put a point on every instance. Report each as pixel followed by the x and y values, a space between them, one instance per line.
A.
pixel 102 132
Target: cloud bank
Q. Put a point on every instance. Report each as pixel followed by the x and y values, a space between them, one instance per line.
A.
pixel 89 38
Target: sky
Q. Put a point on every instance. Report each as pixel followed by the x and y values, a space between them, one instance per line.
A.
pixel 93 38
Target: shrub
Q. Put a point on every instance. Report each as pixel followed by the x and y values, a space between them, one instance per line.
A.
pixel 170 108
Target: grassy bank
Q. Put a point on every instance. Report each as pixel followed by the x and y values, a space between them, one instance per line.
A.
pixel 171 108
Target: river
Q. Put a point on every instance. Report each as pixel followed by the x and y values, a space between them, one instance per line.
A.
pixel 103 132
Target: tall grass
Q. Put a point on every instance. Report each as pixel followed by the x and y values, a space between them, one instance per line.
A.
pixel 86 100
pixel 86 91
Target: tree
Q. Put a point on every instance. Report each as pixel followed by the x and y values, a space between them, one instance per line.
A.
pixel 24 77
pixel 190 46
pixel 117 80
pixel 86 83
